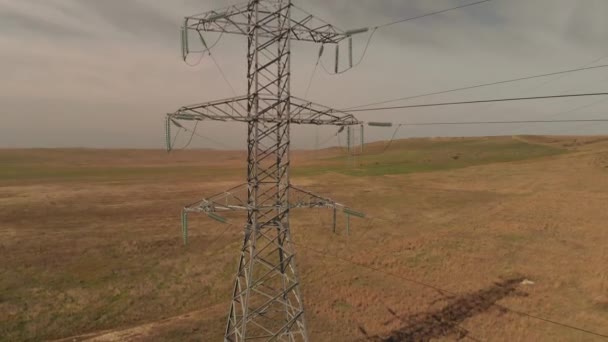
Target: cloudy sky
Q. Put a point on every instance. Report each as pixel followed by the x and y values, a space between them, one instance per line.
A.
pixel 92 73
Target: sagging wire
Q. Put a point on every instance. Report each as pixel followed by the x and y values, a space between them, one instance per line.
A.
pixel 432 13
pixel 481 101
pixel 374 29
pixel 393 136
pixel 386 147
pixel 314 70
pixel 191 136
pixel 328 139
pixel 193 132
pixel 223 74
pixel 312 76
pixel 543 84
pixel 206 50
pixel 170 143
pixel 570 111
pixel 351 65
pixel 476 86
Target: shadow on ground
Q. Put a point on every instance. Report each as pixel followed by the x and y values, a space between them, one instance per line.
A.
pixel 446 321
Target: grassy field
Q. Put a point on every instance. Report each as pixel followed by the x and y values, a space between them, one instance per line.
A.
pixel 420 155
pixel 416 155
pixel 90 242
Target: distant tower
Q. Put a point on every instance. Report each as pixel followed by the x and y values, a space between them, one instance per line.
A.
pixel 266 300
pixel 355 141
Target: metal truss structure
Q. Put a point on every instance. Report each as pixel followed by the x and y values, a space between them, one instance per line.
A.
pixel 235 109
pixel 266 299
pixel 235 199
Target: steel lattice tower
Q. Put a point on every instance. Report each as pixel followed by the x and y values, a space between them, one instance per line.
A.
pixel 266 300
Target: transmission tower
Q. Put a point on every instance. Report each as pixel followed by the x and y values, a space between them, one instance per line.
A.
pixel 266 299
pixel 355 142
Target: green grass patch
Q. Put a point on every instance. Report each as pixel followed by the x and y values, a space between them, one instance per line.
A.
pixel 405 156
pixel 515 238
pixel 342 305
pixel 410 156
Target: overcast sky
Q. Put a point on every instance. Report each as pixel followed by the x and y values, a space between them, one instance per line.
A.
pixel 92 73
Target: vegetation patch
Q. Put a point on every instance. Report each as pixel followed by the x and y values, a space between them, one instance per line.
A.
pixel 416 155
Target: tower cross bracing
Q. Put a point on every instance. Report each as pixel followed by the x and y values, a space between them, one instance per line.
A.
pixel 266 300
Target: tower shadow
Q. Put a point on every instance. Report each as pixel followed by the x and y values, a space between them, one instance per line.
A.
pixel 446 321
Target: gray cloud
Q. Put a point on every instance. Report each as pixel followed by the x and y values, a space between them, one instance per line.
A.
pixel 15 22
pixel 103 73
pixel 136 18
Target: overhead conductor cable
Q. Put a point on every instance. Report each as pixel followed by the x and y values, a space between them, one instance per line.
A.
pixel 479 101
pixel 480 86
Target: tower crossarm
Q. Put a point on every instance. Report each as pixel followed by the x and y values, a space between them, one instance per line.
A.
pixel 307 112
pixel 235 109
pixel 234 20
pixel 232 109
pixel 266 298
pixel 235 199
pixel 300 198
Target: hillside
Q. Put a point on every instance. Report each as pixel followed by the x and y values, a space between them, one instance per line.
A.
pixel 91 243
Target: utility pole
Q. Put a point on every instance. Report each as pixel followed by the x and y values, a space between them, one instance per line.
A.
pixel 266 298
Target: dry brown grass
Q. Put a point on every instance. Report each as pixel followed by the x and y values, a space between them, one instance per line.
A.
pixel 90 243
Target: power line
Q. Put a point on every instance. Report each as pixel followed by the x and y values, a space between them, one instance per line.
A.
pixel 191 136
pixel 464 123
pixel 561 77
pixel 546 320
pixel 430 14
pixel 200 59
pixel 194 133
pixel 479 86
pixel 205 138
pixel 549 81
pixel 328 139
pixel 444 292
pixel 479 101
pixel 175 138
pixel 208 51
pixel 222 73
pixel 375 28
pixel 499 122
pixel 573 110
pixel 202 52
pixel 552 115
pixel 404 19
pixel 217 238
pixel 312 76
pixel 376 269
pixel 447 292
pixel 369 39
pixel 392 138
